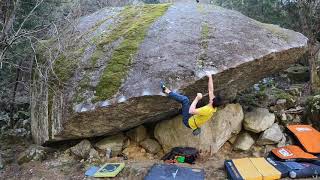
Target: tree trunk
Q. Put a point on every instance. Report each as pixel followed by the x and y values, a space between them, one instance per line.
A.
pixel 314 63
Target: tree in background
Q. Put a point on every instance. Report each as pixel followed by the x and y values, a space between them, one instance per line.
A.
pixel 299 15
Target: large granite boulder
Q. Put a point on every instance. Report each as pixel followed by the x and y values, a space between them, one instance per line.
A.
pixel 227 122
pixel 107 78
pixel 258 120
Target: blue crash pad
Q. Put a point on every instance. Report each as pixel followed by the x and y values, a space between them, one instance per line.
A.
pixel 173 172
pixel 92 170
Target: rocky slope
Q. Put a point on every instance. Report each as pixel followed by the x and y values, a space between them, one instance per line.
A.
pixel 107 78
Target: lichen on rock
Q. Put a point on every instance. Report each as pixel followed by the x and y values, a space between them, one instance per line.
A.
pixel 132 29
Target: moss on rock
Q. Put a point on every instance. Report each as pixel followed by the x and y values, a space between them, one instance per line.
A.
pixel 133 27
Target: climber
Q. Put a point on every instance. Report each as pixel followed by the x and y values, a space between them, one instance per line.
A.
pixel 195 117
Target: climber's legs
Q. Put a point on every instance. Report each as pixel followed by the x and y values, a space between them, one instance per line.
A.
pixel 184 100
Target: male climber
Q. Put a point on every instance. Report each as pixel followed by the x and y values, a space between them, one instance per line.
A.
pixel 195 117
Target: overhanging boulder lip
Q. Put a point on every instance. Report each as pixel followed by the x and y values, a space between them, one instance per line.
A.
pixel 79 108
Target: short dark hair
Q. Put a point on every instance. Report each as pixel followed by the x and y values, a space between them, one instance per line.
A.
pixel 217 101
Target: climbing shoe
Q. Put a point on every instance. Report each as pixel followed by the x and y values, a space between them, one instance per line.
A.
pixel 163 86
pixel 196 132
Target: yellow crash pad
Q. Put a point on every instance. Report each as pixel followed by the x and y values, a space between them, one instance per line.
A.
pixel 109 170
pixel 267 171
pixel 246 169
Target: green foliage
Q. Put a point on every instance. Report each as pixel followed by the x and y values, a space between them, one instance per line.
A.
pixel 133 26
pixel 313 104
pixel 285 13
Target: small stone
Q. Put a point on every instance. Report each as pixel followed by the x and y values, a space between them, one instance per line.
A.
pixel 283 117
pixel 273 135
pixel 32 153
pixel 137 134
pixel 289 117
pixel 268 148
pixel 282 141
pixel 297 119
pixel 93 155
pixel 82 149
pixel 258 120
pixel 152 146
pixel 256 151
pixel 243 142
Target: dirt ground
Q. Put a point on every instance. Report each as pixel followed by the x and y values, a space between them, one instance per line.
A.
pixel 58 168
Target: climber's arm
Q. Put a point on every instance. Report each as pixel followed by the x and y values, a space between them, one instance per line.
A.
pixel 210 88
pixel 193 109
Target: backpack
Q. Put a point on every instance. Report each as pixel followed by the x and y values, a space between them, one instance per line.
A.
pixel 190 154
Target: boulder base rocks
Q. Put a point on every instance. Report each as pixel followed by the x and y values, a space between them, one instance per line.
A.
pixel 137 134
pixel 258 120
pixel 114 143
pixel 82 149
pixel 151 146
pixel 244 142
pixel 226 122
pixel 33 153
pixel 273 135
pixel 107 78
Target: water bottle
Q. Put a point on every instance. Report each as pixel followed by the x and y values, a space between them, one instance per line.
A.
pixel 292 174
pixel 108 153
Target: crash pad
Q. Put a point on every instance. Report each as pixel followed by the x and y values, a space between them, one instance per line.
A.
pixel 279 165
pixel 305 170
pixel 308 137
pixel 251 169
pixel 292 152
pixel 109 170
pixel 91 171
pixel 295 169
pixel 247 169
pixel 265 169
pixel 174 172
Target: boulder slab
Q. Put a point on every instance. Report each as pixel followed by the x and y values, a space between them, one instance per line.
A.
pixel 214 133
pixel 107 79
pixel 258 120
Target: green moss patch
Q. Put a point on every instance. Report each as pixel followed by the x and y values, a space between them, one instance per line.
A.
pixel 132 28
pixel 275 30
pixel 204 43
